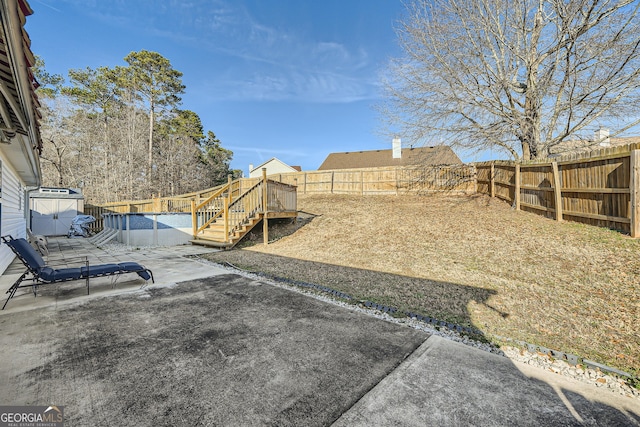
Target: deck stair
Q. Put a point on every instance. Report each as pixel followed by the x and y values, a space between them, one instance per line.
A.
pixel 229 214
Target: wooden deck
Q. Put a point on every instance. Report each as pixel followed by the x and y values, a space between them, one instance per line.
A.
pixel 223 219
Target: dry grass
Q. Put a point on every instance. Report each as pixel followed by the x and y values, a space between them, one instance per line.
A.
pixel 473 261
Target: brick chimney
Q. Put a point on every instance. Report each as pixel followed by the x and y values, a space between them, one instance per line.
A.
pixel 397 148
pixel 602 137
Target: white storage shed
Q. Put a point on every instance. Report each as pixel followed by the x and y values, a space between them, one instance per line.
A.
pixel 53 209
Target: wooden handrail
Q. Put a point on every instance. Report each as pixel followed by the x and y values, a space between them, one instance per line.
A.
pixel 212 197
pixel 225 206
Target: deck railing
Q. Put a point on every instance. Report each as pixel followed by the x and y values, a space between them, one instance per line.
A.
pixel 236 206
pixel 206 212
pixel 243 209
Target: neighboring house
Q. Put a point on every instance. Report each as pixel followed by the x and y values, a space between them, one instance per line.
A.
pixel 273 166
pixel 599 141
pixel 20 142
pixel 397 156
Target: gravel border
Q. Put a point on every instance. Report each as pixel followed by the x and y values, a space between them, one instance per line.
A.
pixel 579 372
pixel 585 374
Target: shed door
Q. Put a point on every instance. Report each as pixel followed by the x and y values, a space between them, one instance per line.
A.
pixel 67 210
pixel 43 219
pixel 52 217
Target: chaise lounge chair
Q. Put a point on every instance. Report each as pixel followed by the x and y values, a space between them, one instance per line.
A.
pixel 40 274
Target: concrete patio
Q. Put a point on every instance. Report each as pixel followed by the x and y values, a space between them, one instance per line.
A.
pixel 205 346
pixel 168 264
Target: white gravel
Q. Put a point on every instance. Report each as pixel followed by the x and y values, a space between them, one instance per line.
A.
pixel 579 372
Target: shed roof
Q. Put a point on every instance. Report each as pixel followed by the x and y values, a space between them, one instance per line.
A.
pixel 438 155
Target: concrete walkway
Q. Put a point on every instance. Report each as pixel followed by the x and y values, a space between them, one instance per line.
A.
pixel 206 347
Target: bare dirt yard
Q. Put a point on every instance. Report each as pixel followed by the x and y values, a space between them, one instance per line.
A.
pixel 470 260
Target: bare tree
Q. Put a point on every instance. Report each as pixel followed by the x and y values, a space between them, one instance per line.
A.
pixel 54 129
pixel 515 75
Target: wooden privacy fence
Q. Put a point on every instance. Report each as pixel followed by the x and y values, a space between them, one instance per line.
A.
pixel 384 180
pixel 600 188
pixel 368 181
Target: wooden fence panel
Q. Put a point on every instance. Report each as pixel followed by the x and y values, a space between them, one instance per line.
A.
pixel 419 179
pixel 318 182
pixel 347 182
pixel 483 173
pixel 598 191
pixel 379 181
pixel 536 189
pixel 504 179
pixel 384 180
pixel 595 188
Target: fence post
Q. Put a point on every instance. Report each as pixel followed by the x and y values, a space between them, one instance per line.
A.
pixel 265 220
pixel 332 177
pixel 634 189
pixel 226 219
pixel 493 180
pixel 397 183
pixel 194 219
pixel 557 190
pixel 475 178
pixel 156 204
pixel 517 190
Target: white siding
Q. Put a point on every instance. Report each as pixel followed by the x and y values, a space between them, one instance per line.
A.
pixel 273 166
pixel 12 217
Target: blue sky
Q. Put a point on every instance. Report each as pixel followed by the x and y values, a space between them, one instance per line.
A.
pixel 293 79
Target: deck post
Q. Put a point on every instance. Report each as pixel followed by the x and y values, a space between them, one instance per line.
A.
pixel 634 189
pixel 229 191
pixel 226 220
pixel 194 219
pixel 557 190
pixel 265 220
pixel 492 177
pixel 516 194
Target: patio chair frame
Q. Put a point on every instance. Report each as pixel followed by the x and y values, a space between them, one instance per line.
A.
pixel 39 273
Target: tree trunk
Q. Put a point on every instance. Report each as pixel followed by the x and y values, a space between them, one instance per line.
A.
pixel 150 154
pixel 531 132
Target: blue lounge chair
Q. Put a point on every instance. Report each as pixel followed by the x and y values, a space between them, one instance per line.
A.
pixel 40 274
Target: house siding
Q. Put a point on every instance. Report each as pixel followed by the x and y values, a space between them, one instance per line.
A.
pixel 12 215
pixel 273 166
